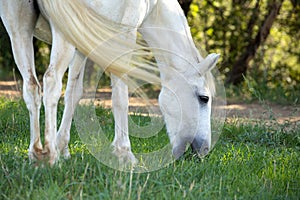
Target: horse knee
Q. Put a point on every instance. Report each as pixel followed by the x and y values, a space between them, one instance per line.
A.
pixel 32 93
pixel 49 78
pixel 74 90
pixel 52 87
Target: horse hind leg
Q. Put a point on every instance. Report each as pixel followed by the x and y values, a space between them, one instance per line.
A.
pixel 61 55
pixel 73 94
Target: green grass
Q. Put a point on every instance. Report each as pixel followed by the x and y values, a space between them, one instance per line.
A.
pixel 251 160
pixel 252 90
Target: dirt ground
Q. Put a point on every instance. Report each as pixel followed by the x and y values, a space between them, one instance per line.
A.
pixel 281 113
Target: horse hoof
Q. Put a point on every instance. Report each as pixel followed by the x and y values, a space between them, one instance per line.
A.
pixel 35 155
pixel 125 156
pixel 65 153
pixel 201 147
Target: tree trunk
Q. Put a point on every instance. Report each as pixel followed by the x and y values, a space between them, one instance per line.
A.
pixel 185 5
pixel 240 67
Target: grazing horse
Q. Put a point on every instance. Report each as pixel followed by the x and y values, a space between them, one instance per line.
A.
pixel 105 30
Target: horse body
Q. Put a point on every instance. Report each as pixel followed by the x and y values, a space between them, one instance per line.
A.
pixel 184 73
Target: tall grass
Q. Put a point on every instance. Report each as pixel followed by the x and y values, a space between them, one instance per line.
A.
pixel 251 160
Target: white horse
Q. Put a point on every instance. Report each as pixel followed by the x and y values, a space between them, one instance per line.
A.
pixel 112 26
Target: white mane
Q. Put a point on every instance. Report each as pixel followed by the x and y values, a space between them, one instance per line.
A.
pixel 102 43
pixel 104 35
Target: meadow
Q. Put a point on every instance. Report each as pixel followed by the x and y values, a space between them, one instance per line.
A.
pixel 253 159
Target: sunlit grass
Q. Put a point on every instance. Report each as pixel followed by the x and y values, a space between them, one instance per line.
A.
pixel 251 160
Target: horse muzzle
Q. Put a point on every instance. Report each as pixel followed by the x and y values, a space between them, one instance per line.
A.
pixel 200 146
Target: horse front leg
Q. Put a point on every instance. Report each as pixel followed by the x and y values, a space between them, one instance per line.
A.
pixel 121 142
pixel 120 102
pixel 73 94
pixel 61 54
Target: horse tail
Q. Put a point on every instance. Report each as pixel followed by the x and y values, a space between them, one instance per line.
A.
pixel 102 40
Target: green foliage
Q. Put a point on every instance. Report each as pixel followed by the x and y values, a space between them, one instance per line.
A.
pixel 227 27
pixel 8 69
pixel 252 160
pixel 6 57
pixel 42 57
pixel 253 90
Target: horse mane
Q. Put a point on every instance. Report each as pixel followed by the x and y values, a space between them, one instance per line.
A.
pixel 105 43
pixel 102 43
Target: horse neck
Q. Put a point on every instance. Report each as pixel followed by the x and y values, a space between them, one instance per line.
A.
pixel 167 31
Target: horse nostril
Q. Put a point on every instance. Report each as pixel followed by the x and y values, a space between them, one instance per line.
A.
pixel 197 144
pixel 178 151
pixel 200 146
pixel 205 151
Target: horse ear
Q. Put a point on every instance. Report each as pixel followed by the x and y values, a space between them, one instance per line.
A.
pixel 208 63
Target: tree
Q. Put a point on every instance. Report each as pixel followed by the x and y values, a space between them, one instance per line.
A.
pixel 241 65
pixel 185 5
pixel 6 58
pixel 258 39
pixel 240 31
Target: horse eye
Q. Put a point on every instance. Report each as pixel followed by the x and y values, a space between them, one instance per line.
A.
pixel 203 99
